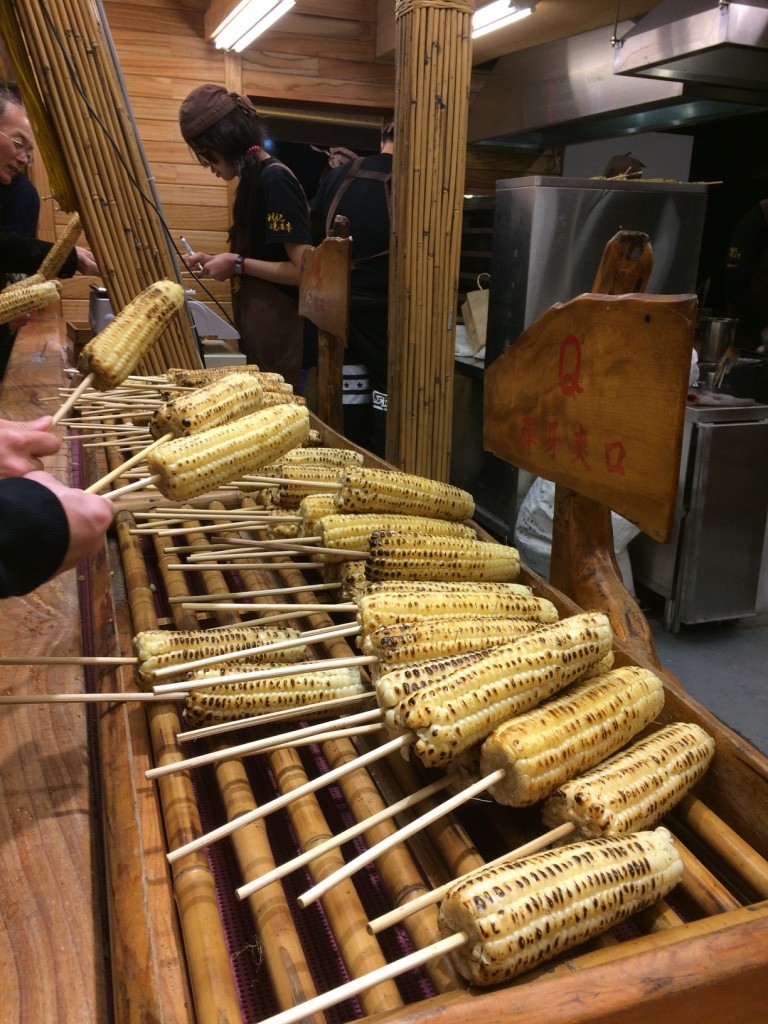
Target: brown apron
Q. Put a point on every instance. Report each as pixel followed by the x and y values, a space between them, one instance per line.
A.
pixel 271 330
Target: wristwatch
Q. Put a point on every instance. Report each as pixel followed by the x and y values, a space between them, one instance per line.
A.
pixel 238 272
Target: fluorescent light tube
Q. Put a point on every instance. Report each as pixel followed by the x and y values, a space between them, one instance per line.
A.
pixel 497 15
pixel 248 21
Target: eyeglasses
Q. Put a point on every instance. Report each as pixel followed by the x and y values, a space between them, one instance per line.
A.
pixel 21 147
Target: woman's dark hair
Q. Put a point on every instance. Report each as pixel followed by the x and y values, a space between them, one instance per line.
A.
pixel 237 137
pixel 231 136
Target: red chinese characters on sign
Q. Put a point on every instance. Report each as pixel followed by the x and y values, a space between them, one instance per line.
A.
pixel 548 433
pixel 569 366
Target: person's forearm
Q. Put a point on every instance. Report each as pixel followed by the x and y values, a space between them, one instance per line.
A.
pixel 285 273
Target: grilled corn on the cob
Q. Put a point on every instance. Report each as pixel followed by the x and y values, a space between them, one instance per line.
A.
pixel 119 347
pixel 423 556
pixel 571 733
pixel 161 648
pixel 635 788
pixel 23 298
pixel 383 605
pixel 226 399
pixel 61 248
pixel 458 712
pixel 339 457
pixel 190 466
pixel 230 701
pixel 353 531
pixel 518 915
pixel 439 636
pixel 381 490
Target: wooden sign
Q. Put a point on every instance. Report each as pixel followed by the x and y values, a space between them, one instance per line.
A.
pixel 593 396
pixel 324 287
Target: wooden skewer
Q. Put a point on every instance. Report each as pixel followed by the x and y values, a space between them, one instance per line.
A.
pixel 266 673
pixel 404 833
pixel 82 387
pixel 343 837
pixel 245 565
pixel 279 481
pixel 232 606
pixel 137 485
pixel 184 598
pixel 393 917
pixel 73 659
pixel 275 805
pixel 83 698
pixel 352 988
pixel 99 485
pixel 265 743
pixel 275 716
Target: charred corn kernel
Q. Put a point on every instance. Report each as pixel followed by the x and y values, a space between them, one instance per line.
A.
pixel 519 915
pixel 422 556
pixel 229 701
pixel 353 531
pixel 23 298
pixel 543 748
pixel 315 439
pixel 381 490
pixel 161 648
pixel 439 636
pixel 635 788
pixel 116 350
pixel 462 709
pixel 190 466
pixel 226 399
pixel 62 247
pixel 384 607
pixel 312 508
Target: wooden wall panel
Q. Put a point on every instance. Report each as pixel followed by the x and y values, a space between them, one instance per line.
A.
pixel 323 52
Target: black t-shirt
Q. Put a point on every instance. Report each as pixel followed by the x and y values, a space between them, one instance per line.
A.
pixel 34 535
pixel 276 213
pixel 19 206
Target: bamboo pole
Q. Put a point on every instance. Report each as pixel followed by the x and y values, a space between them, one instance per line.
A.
pixel 433 50
pixel 77 87
pixel 193 884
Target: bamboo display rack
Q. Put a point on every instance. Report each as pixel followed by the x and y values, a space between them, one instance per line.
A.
pixel 702 953
pixel 72 88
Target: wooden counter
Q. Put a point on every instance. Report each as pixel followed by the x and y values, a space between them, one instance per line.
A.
pixel 709 969
pixel 52 937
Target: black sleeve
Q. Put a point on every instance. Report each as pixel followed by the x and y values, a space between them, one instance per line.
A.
pixel 24 255
pixel 34 535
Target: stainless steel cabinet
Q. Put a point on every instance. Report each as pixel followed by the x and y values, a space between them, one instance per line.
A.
pixel 710 570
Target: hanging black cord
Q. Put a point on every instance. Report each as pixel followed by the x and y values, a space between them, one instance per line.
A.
pixel 615 41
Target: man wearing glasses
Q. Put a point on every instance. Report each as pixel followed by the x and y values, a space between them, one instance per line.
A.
pixel 20 254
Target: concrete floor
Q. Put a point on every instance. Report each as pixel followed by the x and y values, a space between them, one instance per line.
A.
pixel 724 666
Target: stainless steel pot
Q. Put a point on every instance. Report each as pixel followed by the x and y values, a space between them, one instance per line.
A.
pixel 713 336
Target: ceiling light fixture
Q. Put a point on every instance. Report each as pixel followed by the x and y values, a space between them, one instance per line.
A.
pixel 497 15
pixel 247 20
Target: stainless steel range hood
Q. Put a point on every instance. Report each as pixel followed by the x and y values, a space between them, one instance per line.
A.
pixel 717 43
pixel 567 91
